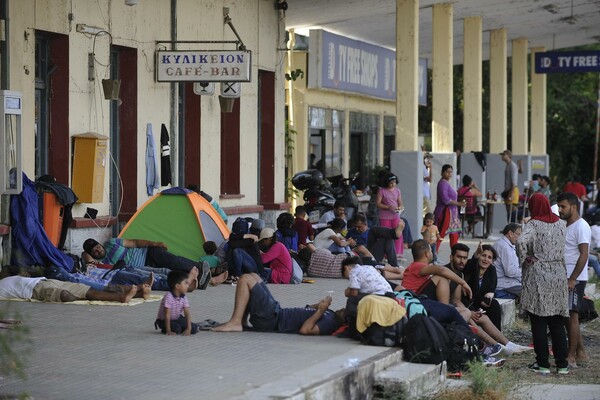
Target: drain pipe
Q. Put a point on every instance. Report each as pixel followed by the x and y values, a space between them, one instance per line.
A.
pixel 4 49
pixel 174 103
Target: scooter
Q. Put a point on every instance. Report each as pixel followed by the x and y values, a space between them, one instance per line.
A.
pixel 320 193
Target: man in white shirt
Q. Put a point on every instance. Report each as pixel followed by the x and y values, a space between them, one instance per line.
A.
pixel 42 289
pixel 338 211
pixel 507 265
pixel 577 244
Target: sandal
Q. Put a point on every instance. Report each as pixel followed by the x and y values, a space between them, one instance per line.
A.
pixel 231 280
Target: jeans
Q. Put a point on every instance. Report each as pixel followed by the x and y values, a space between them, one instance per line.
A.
pixel 558 334
pixel 335 249
pixel 509 293
pixel 132 276
pixel 158 257
pixel 594 263
pixel 62 275
pixel 380 242
pixel 241 263
pixel 433 247
pixel 393 223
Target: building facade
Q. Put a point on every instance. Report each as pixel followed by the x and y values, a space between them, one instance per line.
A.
pixel 57 55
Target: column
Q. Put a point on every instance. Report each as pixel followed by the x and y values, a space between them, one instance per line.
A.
pixel 520 112
pixel 472 85
pixel 407 74
pixel 442 123
pixel 538 107
pixel 498 76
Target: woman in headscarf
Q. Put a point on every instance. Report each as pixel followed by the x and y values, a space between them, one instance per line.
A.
pixel 446 208
pixel 544 297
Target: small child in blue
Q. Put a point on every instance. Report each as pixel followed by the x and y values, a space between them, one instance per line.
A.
pixel 174 312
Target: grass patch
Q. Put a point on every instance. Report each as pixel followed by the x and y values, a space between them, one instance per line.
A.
pixel 481 383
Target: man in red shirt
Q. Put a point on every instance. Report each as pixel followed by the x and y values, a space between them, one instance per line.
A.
pixel 302 226
pixel 573 186
pixel 422 277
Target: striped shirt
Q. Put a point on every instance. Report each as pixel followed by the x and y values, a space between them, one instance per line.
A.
pixel 176 305
pixel 116 251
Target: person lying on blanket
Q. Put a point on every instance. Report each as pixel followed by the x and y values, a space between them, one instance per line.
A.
pixel 252 297
pixel 50 290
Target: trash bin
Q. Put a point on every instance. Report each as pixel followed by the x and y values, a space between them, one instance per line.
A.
pixel 52 216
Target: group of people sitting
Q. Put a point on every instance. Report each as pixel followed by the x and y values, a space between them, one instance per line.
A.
pixel 255 255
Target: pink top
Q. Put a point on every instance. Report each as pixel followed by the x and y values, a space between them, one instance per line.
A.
pixel 176 305
pixel 389 197
pixel 280 263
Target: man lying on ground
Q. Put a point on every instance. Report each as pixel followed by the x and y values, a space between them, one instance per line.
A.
pixel 253 299
pixel 140 253
pixel 42 289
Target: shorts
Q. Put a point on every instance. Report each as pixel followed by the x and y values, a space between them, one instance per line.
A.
pixel 576 296
pixel 50 290
pixel 428 289
pixel 263 309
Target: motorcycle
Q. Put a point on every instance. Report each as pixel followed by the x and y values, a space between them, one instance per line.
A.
pixel 320 193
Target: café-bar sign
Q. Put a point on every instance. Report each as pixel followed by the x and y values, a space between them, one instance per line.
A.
pixel 203 66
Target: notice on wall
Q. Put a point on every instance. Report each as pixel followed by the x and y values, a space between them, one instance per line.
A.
pixel 567 61
pixel 203 66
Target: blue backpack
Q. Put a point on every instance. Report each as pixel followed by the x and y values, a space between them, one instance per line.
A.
pixel 411 302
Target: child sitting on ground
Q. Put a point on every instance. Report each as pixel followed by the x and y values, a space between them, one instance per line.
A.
pixel 431 234
pixel 174 312
pixel 218 270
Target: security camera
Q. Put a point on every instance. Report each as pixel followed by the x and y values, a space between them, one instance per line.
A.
pixel 281 5
pixel 131 2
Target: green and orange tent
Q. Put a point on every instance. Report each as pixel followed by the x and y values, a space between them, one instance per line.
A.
pixel 180 218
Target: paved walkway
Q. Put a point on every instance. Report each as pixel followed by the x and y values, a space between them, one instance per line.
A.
pixel 113 352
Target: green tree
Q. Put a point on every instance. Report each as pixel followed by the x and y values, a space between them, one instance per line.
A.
pixel 571 123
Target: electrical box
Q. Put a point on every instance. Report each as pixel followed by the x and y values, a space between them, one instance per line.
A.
pixel 89 164
pixel 11 171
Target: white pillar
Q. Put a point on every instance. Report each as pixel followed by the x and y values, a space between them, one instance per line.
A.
pixel 520 133
pixel 538 107
pixel 472 84
pixel 498 76
pixel 442 123
pixel 407 74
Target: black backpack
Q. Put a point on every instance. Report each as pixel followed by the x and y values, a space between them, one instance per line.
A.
pixel 587 311
pixel 425 340
pixel 463 346
pixel 389 336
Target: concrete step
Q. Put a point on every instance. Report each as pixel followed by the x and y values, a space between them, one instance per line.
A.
pixel 509 312
pixel 348 376
pixel 409 381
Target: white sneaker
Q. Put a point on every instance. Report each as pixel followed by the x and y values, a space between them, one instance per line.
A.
pixel 513 348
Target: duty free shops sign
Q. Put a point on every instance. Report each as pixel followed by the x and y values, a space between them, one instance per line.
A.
pixel 203 66
pixel 567 61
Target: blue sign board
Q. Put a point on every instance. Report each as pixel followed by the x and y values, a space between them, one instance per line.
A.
pixel 353 66
pixel 567 61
